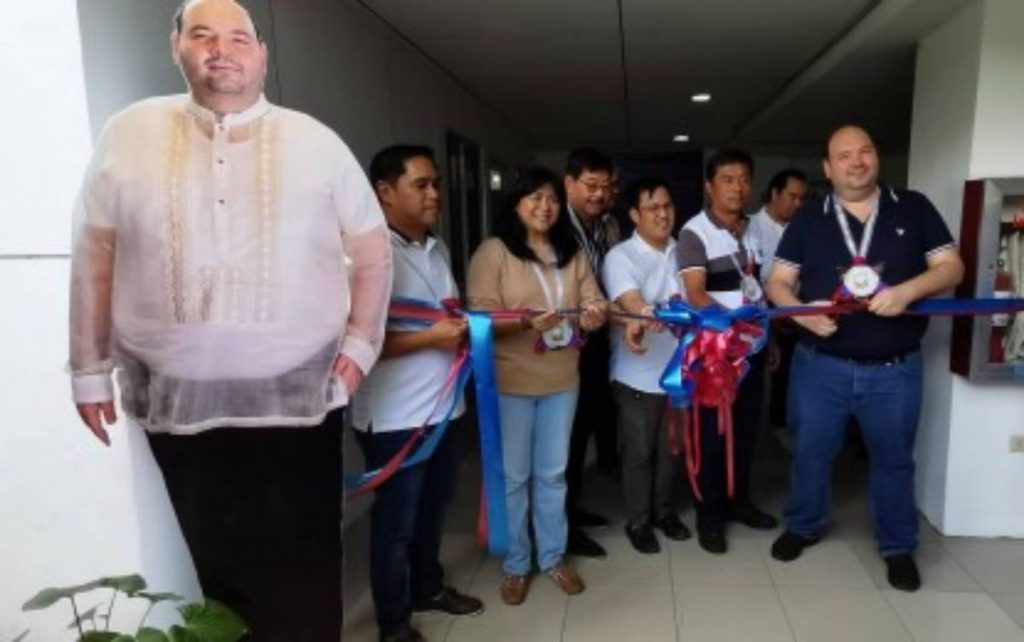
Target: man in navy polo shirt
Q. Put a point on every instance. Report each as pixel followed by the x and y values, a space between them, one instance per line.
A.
pixel 890 248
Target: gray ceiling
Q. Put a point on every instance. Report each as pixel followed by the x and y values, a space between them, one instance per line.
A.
pixel 619 73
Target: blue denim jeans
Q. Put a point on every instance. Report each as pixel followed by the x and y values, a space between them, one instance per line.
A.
pixel 406 523
pixel 824 392
pixel 535 446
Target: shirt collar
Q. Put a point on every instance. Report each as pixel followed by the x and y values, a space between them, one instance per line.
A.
pixel 886 196
pixel 647 247
pixel 717 222
pixel 406 240
pixel 258 109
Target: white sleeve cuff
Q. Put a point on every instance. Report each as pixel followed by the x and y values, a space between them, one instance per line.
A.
pixel 92 388
pixel 359 350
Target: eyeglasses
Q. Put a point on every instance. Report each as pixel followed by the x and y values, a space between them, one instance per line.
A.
pixel 594 188
pixel 655 209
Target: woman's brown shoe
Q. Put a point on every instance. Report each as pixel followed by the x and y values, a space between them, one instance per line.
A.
pixel 566 578
pixel 513 589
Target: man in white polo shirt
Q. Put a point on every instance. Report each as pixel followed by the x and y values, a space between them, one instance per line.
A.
pixel 718 263
pixel 402 394
pixel 639 273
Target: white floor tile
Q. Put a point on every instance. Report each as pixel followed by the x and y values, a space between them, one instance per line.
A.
pixel 731 614
pixel 954 617
pixel 997 564
pixel 1013 604
pixel 841 615
pixel 828 564
pixel 619 612
pixel 742 565
pixel 539 619
pixel 623 565
pixel 939 570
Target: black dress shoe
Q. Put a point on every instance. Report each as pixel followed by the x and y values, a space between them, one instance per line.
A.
pixel 582 519
pixel 752 517
pixel 712 539
pixel 451 602
pixel 641 536
pixel 789 546
pixel 581 545
pixel 903 574
pixel 673 528
pixel 407 634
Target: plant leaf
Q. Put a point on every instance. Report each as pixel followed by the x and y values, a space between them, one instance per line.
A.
pixel 105 636
pixel 50 596
pixel 213 622
pixel 147 634
pixel 88 615
pixel 127 584
pixel 159 597
pixel 178 633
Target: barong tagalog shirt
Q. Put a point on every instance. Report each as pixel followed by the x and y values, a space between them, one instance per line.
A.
pixel 216 263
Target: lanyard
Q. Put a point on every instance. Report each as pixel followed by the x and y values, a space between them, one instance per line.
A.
pixel 553 304
pixel 749 270
pixel 869 230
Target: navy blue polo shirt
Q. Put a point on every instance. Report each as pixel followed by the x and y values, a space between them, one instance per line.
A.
pixel 909 229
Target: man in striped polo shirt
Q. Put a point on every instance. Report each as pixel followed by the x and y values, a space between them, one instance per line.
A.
pixel 719 263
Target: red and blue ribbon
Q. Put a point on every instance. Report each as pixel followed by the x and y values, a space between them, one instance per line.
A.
pixel 474 357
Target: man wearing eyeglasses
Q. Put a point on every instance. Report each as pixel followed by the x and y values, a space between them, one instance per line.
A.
pixel 588 192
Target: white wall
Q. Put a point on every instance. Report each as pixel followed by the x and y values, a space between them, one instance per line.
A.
pixel 70 509
pixel 966 124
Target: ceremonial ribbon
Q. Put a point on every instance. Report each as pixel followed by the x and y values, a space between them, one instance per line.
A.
pixel 476 357
pixel 705 370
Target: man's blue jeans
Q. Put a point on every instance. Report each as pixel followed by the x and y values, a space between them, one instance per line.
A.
pixel 406 522
pixel 824 392
pixel 535 447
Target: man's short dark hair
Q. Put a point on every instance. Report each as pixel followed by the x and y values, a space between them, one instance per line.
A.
pixel 727 156
pixel 587 159
pixel 780 180
pixel 179 23
pixel 639 187
pixel 388 164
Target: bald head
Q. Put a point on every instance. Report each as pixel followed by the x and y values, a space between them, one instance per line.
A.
pixel 216 45
pixel 179 17
pixel 851 163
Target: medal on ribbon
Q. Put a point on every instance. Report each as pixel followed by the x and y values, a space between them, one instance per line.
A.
pixel 860 280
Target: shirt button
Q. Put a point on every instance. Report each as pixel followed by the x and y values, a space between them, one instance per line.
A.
pixel 220 161
pixel 221 201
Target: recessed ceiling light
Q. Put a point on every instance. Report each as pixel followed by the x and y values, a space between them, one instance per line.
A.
pixel 681 138
pixel 701 97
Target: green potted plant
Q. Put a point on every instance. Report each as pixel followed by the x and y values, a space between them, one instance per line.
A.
pixel 209 621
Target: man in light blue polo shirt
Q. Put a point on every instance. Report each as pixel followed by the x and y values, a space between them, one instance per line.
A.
pixel 402 394
pixel 638 274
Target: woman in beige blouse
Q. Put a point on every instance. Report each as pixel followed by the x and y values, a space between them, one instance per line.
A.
pixel 535 263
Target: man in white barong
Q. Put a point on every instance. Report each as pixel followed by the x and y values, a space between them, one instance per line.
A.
pixel 231 262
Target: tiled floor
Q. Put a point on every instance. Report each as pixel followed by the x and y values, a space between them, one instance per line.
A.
pixel 836 592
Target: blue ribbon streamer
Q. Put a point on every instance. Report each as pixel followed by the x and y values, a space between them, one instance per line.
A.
pixel 481 355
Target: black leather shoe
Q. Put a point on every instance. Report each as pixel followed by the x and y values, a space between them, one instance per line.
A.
pixel 451 602
pixel 641 536
pixel 582 519
pixel 903 574
pixel 673 528
pixel 712 539
pixel 407 634
pixel 752 517
pixel 581 545
pixel 789 546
